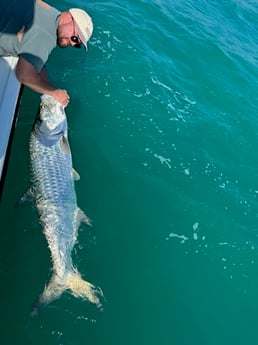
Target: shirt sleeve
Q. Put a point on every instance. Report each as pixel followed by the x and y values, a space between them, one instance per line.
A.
pixel 35 47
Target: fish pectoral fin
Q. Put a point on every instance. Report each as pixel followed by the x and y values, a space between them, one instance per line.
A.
pixel 64 144
pixel 28 197
pixel 75 175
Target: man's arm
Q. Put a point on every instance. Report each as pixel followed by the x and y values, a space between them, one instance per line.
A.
pixel 39 82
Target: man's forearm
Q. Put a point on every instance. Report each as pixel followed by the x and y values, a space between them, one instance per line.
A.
pixel 38 82
pixel 28 76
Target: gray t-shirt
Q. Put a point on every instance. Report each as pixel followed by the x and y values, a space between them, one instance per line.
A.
pixel 38 42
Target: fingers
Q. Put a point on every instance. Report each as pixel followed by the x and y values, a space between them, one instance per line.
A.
pixel 66 98
pixel 62 96
pixel 66 102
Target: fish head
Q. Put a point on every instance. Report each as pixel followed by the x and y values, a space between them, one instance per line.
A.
pixel 51 112
pixel 52 123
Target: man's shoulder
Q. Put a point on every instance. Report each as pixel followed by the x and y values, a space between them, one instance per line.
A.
pixel 40 39
pixel 45 20
pixel 43 9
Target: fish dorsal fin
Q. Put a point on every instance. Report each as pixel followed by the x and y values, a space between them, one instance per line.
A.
pixel 65 147
pixel 75 175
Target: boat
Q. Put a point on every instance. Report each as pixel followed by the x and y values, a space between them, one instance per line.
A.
pixel 10 96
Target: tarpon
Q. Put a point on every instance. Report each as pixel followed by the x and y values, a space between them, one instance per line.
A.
pixel 55 198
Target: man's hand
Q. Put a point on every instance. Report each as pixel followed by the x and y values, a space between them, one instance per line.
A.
pixel 61 96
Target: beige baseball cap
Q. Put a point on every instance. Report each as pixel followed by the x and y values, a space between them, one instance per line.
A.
pixel 83 24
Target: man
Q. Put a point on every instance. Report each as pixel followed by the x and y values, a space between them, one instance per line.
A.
pixel 36 38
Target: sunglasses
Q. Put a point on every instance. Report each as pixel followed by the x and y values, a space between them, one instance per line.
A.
pixel 76 40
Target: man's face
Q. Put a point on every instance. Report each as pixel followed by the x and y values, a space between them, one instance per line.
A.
pixel 66 35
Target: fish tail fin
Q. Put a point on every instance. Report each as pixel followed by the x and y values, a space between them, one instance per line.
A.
pixel 52 291
pixel 80 288
pixel 72 281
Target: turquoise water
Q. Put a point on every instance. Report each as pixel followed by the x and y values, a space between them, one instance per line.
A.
pixel 163 129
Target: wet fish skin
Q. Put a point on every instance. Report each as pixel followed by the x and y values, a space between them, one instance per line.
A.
pixel 52 177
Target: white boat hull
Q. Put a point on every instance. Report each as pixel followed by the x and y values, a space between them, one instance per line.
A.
pixel 9 96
